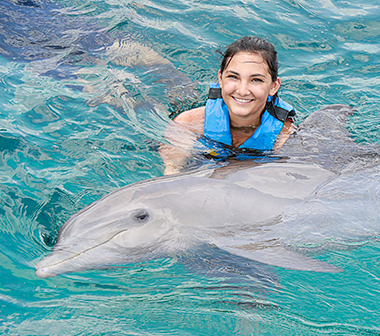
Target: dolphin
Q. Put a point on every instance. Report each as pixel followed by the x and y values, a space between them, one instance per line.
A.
pixel 158 217
pixel 51 41
pixel 323 139
pixel 232 208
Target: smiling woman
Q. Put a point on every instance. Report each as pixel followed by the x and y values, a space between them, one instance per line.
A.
pixel 246 85
pixel 243 110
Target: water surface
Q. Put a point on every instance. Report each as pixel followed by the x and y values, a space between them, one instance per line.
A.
pixel 80 117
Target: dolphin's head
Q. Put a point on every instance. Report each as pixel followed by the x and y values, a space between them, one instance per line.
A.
pixel 120 228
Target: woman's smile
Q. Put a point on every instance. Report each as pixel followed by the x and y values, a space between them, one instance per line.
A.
pixel 242 101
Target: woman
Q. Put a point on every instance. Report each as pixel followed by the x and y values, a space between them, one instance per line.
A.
pixel 243 111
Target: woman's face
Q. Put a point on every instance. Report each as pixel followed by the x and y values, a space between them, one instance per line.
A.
pixel 246 84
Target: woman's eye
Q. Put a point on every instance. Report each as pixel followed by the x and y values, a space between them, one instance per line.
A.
pixel 257 80
pixel 232 76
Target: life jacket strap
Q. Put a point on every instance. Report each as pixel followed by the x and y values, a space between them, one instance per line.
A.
pixel 214 93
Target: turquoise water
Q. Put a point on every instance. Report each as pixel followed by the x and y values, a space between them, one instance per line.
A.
pixel 78 121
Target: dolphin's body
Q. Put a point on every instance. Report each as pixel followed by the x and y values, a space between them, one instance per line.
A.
pixel 242 211
pixel 56 41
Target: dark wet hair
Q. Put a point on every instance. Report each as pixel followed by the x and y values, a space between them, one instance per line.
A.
pixel 256 45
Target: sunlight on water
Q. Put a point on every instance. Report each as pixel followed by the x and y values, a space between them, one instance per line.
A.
pixel 86 92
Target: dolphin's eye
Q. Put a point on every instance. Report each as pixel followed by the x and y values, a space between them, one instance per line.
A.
pixel 141 216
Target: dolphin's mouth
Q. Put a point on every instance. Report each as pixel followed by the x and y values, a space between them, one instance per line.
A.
pixel 45 273
pixel 47 270
pixel 66 261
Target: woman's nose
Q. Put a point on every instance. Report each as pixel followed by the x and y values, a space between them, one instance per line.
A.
pixel 242 88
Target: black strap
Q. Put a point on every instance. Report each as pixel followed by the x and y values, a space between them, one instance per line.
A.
pixel 279 112
pixel 214 93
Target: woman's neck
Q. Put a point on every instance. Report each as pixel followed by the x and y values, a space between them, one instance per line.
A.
pixel 245 122
pixel 240 134
pixel 242 128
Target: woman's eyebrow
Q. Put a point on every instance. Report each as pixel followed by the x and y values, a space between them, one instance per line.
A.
pixel 233 72
pixel 253 75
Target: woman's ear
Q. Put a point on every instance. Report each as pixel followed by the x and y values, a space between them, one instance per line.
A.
pixel 220 78
pixel 275 86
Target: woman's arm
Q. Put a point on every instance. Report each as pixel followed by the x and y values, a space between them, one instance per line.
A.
pixel 181 135
pixel 193 119
pixel 284 135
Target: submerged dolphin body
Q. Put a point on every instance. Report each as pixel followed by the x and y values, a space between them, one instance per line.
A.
pixel 233 209
pixel 55 41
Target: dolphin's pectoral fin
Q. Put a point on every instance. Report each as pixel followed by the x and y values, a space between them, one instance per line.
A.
pixel 279 256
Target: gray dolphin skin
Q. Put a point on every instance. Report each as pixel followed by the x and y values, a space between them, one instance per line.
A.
pixel 71 47
pixel 245 209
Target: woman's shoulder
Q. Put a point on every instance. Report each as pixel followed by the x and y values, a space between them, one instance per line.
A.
pixel 192 119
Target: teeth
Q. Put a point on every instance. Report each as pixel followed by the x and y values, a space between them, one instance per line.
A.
pixel 242 100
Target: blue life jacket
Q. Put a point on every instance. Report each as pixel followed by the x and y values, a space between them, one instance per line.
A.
pixel 217 123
